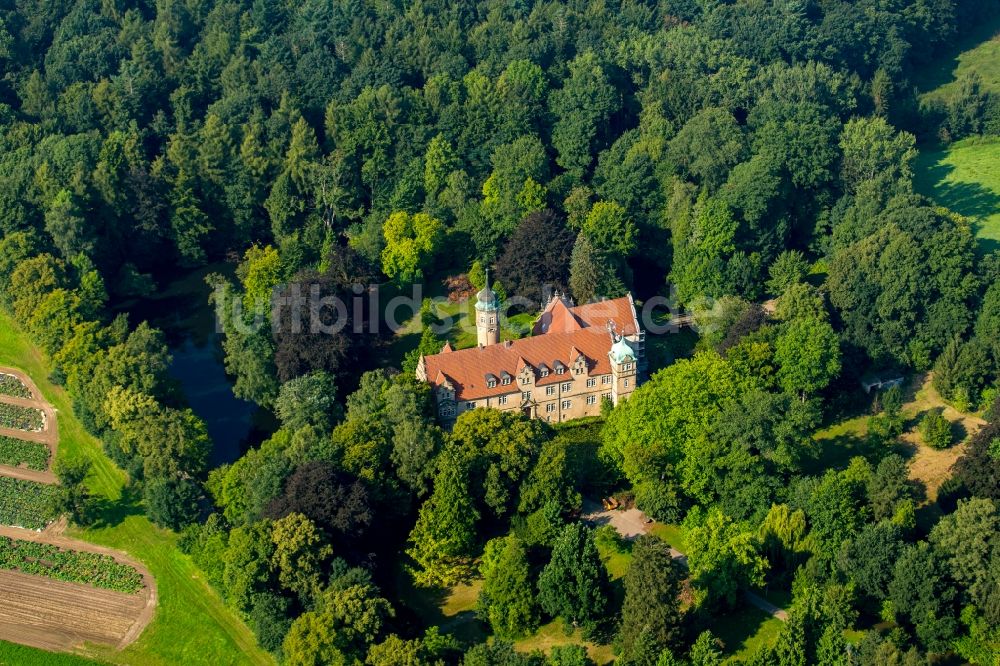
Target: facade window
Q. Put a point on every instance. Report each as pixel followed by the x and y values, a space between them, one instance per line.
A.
pixel 566 387
pixel 626 383
pixel 447 411
pixel 470 405
pixel 551 407
pixel 566 404
pixel 606 379
pixel 526 395
pixel 503 400
pixel 592 382
pixel 606 395
pixel 549 419
pixel 591 399
pixel 550 390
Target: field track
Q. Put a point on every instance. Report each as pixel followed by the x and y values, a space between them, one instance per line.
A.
pixel 49 436
pixel 56 615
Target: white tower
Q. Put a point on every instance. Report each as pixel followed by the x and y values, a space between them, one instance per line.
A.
pixel 487 315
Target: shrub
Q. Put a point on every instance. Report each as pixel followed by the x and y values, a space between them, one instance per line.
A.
pixel 935 430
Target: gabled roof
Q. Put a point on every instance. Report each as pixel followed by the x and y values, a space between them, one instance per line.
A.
pixel 470 369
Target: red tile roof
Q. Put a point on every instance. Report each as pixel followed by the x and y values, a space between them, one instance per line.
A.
pixel 558 337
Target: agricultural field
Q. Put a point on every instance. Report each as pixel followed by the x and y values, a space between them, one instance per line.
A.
pixel 12 386
pixel 16 417
pixel 56 615
pixel 26 503
pixel 192 624
pixel 42 559
pixel 964 178
pixel 16 452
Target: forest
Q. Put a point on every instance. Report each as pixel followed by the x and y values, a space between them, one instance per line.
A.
pixel 724 153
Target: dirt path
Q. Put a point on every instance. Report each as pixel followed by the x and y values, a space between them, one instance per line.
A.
pixel 631 523
pixel 53 536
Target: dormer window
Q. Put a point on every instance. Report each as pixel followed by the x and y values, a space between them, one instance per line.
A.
pixel 560 368
pixel 491 380
pixel 505 378
pixel 543 370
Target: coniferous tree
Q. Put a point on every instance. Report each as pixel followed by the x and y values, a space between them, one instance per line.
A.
pixel 574 584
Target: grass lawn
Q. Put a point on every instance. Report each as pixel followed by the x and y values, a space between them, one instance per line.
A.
pixel 965 177
pixel 12 654
pixel 554 634
pixel 192 624
pixel 745 630
pixel 673 535
pixel 978 51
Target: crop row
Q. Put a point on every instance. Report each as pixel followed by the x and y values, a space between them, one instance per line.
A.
pixel 42 559
pixel 21 418
pixel 11 385
pixel 16 452
pixel 26 503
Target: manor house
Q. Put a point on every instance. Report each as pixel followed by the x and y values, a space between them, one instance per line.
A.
pixel 577 356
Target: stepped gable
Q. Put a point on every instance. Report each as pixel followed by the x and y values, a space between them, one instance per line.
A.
pixel 568 331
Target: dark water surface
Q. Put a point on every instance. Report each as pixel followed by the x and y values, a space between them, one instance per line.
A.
pixel 181 310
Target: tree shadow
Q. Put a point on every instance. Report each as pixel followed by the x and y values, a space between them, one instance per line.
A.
pixel 103 512
pixel 970 199
pixel 942 69
pixel 958 432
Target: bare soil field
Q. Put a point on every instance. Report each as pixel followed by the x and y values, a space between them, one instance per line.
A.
pixel 56 615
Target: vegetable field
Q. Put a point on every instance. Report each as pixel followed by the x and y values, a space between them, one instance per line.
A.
pixel 41 559
pixel 16 417
pixel 26 503
pixel 17 452
pixel 11 385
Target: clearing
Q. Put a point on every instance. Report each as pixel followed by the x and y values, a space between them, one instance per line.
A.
pixel 928 467
pixel 964 178
pixel 931 467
